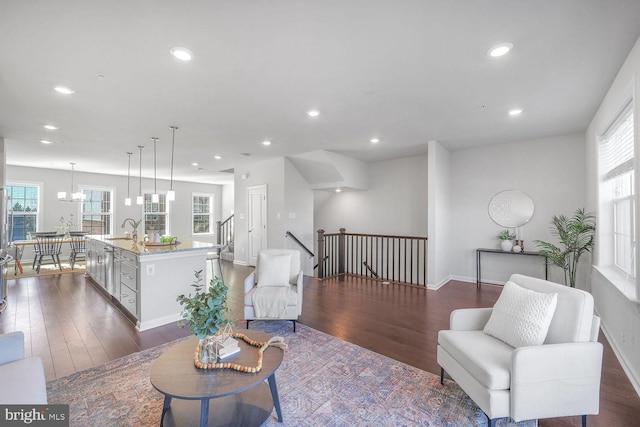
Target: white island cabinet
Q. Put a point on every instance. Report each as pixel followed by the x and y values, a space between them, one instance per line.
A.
pixel 142 279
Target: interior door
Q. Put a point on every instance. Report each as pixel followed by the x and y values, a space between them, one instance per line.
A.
pixel 257 220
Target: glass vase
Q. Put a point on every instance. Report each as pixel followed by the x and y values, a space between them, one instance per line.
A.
pixel 207 350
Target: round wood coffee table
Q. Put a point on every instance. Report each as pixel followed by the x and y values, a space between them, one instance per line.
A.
pixel 224 396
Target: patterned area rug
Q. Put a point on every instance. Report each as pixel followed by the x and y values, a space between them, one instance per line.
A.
pixel 323 381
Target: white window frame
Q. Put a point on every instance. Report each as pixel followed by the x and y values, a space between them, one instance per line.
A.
pixel 212 230
pixel 625 281
pixel 166 213
pixel 110 213
pixel 39 186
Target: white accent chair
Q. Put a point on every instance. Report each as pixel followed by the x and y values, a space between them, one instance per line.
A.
pixel 22 378
pixel 556 379
pixel 293 281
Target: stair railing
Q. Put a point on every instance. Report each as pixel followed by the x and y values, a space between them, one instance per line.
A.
pixel 225 230
pixel 401 259
pixel 302 245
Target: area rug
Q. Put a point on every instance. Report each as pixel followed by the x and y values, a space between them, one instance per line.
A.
pixel 323 381
pixel 46 270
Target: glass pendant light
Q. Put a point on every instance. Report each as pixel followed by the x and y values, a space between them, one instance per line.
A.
pixel 140 198
pixel 127 200
pixel 171 194
pixel 155 197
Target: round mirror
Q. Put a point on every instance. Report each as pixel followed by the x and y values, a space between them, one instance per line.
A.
pixel 511 208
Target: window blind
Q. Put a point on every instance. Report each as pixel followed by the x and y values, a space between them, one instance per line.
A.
pixel 618 146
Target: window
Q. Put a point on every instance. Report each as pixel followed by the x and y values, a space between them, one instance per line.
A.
pixel 22 210
pixel 97 213
pixel 156 215
pixel 202 213
pixel 618 198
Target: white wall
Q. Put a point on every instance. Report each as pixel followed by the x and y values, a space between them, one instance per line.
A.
pixel 298 215
pixel 440 243
pixel 52 181
pixel 270 173
pixel 289 207
pixel 227 203
pixel 395 203
pixel 620 316
pixel 550 170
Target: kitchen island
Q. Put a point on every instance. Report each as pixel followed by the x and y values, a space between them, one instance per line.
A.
pixel 145 279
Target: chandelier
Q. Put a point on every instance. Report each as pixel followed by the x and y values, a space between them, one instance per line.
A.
pixel 73 196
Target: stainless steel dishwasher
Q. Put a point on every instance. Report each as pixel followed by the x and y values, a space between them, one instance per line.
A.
pixel 109 282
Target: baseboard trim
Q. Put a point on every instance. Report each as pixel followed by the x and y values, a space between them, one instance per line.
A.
pixel 435 287
pixel 242 263
pixel 158 322
pixel 626 367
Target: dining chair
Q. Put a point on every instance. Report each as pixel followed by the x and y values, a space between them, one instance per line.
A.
pixel 78 246
pixel 48 245
pixel 34 235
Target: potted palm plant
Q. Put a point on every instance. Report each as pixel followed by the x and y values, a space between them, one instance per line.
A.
pixel 577 237
pixel 205 314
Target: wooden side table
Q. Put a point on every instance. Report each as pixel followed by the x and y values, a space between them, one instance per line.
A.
pixel 498 251
pixel 222 396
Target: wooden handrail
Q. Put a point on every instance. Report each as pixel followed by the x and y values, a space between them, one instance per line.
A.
pixel 386 236
pixel 290 234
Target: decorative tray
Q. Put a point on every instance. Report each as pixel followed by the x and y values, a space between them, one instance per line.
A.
pixel 172 243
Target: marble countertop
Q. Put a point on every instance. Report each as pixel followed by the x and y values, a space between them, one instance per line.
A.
pixel 139 248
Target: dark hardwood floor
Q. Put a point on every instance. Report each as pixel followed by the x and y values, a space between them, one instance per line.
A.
pixel 72 327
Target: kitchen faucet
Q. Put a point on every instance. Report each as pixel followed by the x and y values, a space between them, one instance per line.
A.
pixel 134 224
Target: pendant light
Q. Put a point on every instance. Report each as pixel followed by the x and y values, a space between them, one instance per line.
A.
pixel 171 194
pixel 127 200
pixel 140 198
pixel 155 197
pixel 74 196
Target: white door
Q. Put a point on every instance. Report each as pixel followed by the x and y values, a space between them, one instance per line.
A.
pixel 257 220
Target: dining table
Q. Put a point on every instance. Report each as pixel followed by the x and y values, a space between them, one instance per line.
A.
pixel 20 245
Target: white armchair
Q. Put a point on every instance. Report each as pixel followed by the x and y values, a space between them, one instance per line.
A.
pixel 273 291
pixel 560 377
pixel 22 378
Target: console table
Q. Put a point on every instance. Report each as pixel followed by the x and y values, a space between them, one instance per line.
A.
pixel 498 251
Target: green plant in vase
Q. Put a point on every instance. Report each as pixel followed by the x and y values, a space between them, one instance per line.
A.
pixel 506 240
pixel 577 236
pixel 205 313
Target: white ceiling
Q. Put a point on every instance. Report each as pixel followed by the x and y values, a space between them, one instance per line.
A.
pixel 404 71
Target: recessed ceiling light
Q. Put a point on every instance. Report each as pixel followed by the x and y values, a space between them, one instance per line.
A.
pixel 266 142
pixel 500 49
pixel 338 190
pixel 194 164
pixel 64 90
pixel 44 141
pixel 181 53
pixel 51 127
pixel 515 112
pixel 375 140
pixel 313 113
pixel 217 157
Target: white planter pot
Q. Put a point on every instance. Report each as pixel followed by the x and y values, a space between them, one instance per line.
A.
pixel 506 245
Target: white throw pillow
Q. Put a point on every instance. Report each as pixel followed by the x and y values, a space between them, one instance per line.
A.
pixel 521 317
pixel 274 270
